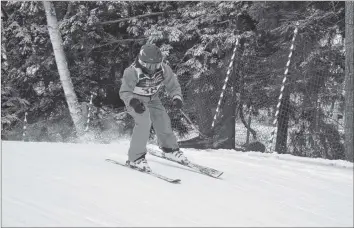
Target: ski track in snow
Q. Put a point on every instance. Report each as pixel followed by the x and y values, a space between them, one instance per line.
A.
pixel 56 184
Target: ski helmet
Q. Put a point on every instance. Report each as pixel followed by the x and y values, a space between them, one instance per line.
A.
pixel 150 57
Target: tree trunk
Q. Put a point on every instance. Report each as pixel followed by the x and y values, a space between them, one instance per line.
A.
pixel 283 122
pixel 349 65
pixel 224 136
pixel 205 115
pixel 3 40
pixel 243 120
pixel 233 118
pixel 62 66
pixel 230 109
pixel 249 125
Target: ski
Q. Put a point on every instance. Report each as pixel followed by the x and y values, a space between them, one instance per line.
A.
pixel 171 180
pixel 200 168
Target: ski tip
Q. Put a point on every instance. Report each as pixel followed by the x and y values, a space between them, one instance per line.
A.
pixel 221 173
pixel 216 175
pixel 176 181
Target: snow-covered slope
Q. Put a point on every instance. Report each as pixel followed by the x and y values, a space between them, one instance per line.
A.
pixel 52 184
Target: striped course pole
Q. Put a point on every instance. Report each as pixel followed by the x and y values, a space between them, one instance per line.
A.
pixel 225 83
pixel 89 113
pixel 24 127
pixel 271 140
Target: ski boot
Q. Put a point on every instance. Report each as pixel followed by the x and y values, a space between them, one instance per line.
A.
pixel 175 155
pixel 140 164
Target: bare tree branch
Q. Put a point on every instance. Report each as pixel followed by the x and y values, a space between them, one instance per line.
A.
pixel 68 10
pixel 120 41
pixel 222 22
pixel 4 14
pixel 136 17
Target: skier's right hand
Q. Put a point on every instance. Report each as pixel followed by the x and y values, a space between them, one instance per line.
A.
pixel 137 105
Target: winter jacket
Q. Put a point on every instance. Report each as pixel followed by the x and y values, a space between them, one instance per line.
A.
pixel 136 83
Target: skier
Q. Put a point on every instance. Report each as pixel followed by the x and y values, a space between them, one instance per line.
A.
pixel 141 84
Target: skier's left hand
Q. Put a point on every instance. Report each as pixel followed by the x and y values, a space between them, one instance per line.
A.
pixel 177 103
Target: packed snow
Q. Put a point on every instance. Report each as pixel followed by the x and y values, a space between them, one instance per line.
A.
pixel 58 184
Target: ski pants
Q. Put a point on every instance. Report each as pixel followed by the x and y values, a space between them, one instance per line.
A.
pixel 156 114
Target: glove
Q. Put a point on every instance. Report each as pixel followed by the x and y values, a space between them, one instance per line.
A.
pixel 177 103
pixel 137 105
